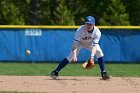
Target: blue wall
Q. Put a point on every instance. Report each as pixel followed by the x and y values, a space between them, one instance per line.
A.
pixel 55 44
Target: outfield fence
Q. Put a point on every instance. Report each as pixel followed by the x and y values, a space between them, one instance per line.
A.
pixel 53 43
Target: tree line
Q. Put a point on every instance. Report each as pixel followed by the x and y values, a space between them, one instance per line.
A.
pixel 69 12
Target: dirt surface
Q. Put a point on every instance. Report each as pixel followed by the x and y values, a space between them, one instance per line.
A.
pixel 69 84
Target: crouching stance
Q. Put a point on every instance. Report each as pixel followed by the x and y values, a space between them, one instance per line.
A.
pixel 87 36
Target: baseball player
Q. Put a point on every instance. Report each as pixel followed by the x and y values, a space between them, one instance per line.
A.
pixel 87 36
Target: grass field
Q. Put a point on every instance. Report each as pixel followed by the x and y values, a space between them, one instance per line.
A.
pixel 73 69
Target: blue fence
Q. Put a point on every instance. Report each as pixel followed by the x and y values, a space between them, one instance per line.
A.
pixel 55 44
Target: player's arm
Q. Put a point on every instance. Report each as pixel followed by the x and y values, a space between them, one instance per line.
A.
pixel 95 43
pixel 76 42
pixel 74 50
pixel 75 46
pixel 94 48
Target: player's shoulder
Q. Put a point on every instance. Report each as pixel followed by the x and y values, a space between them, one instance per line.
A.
pixel 96 29
pixel 81 28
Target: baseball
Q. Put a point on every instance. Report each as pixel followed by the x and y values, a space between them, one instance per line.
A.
pixel 28 52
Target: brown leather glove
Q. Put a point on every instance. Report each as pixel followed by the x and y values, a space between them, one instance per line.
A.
pixel 89 64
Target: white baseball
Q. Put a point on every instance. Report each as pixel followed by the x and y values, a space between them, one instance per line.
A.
pixel 28 52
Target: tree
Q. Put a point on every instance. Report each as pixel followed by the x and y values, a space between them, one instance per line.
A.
pixel 115 14
pixel 133 10
pixel 78 10
pixel 45 17
pixel 10 14
pixel 69 12
pixel 62 15
pixel 34 12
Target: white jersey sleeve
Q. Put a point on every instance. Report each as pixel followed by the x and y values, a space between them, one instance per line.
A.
pixel 96 36
pixel 77 38
pixel 78 33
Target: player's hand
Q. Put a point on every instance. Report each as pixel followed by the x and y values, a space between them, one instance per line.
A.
pixel 74 58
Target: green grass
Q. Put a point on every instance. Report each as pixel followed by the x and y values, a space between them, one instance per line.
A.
pixel 75 69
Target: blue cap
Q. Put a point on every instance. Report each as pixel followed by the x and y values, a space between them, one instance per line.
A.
pixel 89 20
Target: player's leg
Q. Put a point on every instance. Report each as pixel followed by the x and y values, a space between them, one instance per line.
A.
pixel 99 55
pixel 54 73
pixel 101 63
pixel 62 64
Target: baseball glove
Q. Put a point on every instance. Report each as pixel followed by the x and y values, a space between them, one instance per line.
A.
pixel 89 64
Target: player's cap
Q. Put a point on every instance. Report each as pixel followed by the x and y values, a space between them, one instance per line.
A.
pixel 89 20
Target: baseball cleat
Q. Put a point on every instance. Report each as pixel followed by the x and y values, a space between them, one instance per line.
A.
pixel 54 75
pixel 105 76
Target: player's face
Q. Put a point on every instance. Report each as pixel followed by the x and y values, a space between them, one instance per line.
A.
pixel 89 27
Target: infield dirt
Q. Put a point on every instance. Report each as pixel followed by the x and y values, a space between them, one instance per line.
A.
pixel 70 84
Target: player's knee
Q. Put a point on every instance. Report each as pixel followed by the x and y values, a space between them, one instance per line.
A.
pixel 99 54
pixel 68 58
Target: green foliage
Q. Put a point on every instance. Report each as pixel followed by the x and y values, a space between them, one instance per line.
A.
pixel 69 12
pixel 115 14
pixel 78 9
pixel 134 12
pixel 45 14
pixel 62 16
pixel 10 14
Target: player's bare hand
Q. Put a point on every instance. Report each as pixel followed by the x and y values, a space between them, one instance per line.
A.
pixel 74 58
